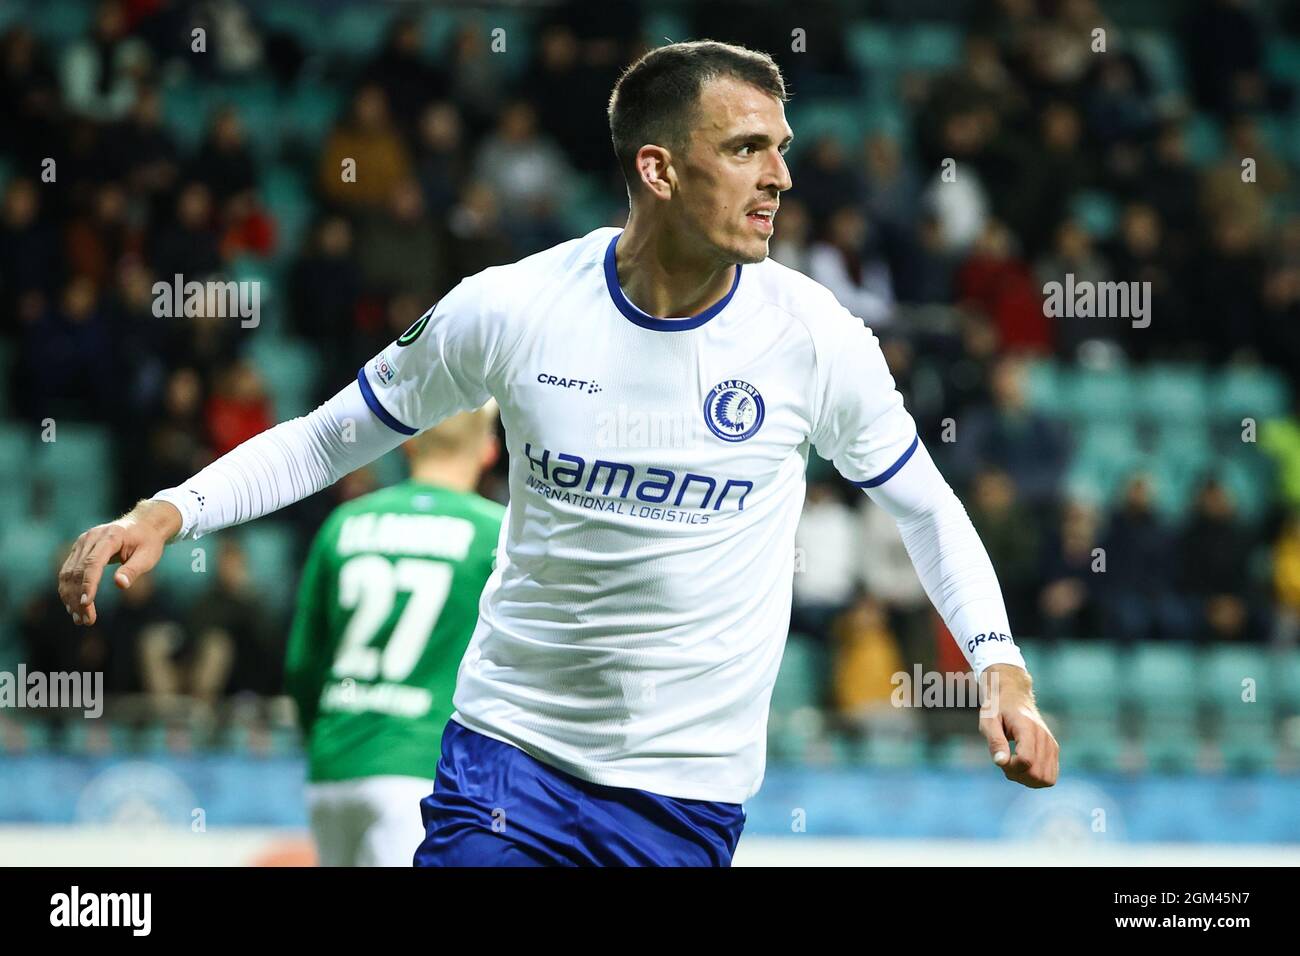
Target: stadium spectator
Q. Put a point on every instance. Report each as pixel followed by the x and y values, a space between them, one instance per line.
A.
pixel 846 260
pixel 866 660
pixel 827 561
pixel 529 175
pixel 1068 604
pixel 791 244
pixel 1141 561
pixel 398 248
pixel 1215 550
pixel 1008 434
pixel 324 291
pixel 100 73
pixel 364 156
pixel 997 282
pixel 238 409
pixel 408 78
pixel 1011 535
pixel 440 161
pixel 1286 582
pixel 232 626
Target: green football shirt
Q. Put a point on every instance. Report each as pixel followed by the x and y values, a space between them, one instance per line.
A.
pixel 386 607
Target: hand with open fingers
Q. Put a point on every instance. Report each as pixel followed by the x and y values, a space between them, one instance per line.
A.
pixel 1008 713
pixel 136 539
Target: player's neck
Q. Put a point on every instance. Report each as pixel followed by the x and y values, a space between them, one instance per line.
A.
pixel 450 475
pixel 662 280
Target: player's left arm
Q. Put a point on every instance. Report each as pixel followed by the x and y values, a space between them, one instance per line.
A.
pixel 955 569
pixel 860 423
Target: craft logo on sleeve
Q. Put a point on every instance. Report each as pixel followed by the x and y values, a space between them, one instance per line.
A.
pixel 132 910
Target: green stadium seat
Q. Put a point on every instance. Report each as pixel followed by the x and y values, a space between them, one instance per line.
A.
pixel 16 449
pixel 1091 743
pixel 184 575
pixel 60 22
pixel 793 736
pixel 270 549
pixel 658 26
pixel 959 751
pixel 258 107
pixel 78 507
pixel 304 21
pixel 312 110
pixel 1106 454
pixel 1108 441
pixel 1159 53
pixel 27 553
pixel 1087 679
pixel 931 46
pixel 440 26
pixel 1173 393
pixel 873 48
pixel 1103 396
pixel 286 193
pixel 1282 59
pixel 1251 479
pixel 1035 654
pixel 1258 393
pixel 1183 446
pixel 844 120
pixel 887 750
pixel 1204 139
pixel 1171 744
pixel 1044 390
pixel 1287 670
pixel 1097 213
pixel 1248 749
pixel 1160 682
pixel 1223 670
pixel 802 676
pixel 11 14
pixel 1174 487
pixel 76 449
pixel 391 468
pixel 357 32
pixel 25 735
pixel 185 111
pixel 290 368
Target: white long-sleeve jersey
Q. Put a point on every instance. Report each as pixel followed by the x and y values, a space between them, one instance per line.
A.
pixel 632 631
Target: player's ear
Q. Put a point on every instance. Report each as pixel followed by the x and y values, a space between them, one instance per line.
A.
pixel 653 166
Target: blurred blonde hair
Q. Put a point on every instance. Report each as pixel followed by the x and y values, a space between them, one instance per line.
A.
pixel 461 434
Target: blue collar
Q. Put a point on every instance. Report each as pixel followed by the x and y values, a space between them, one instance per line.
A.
pixel 646 321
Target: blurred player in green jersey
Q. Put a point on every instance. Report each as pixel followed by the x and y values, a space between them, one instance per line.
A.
pixel 388 602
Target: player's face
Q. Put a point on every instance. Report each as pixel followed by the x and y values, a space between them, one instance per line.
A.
pixel 734 166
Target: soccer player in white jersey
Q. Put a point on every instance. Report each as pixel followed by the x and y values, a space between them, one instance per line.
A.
pixel 612 705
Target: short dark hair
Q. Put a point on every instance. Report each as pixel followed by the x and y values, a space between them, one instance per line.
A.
pixel 656 100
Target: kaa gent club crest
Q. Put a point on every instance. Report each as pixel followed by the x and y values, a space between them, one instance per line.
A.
pixel 734 410
pixel 413 333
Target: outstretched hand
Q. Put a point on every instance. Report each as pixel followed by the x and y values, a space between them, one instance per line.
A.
pixel 136 539
pixel 1009 713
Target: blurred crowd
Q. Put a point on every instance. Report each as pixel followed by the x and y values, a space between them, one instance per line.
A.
pixel 463 164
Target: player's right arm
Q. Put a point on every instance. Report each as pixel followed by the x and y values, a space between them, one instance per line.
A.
pixel 438 367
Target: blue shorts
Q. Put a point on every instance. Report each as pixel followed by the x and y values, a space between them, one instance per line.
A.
pixel 494 805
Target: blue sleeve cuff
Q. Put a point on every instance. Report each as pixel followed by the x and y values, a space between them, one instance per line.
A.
pixel 381 413
pixel 889 472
